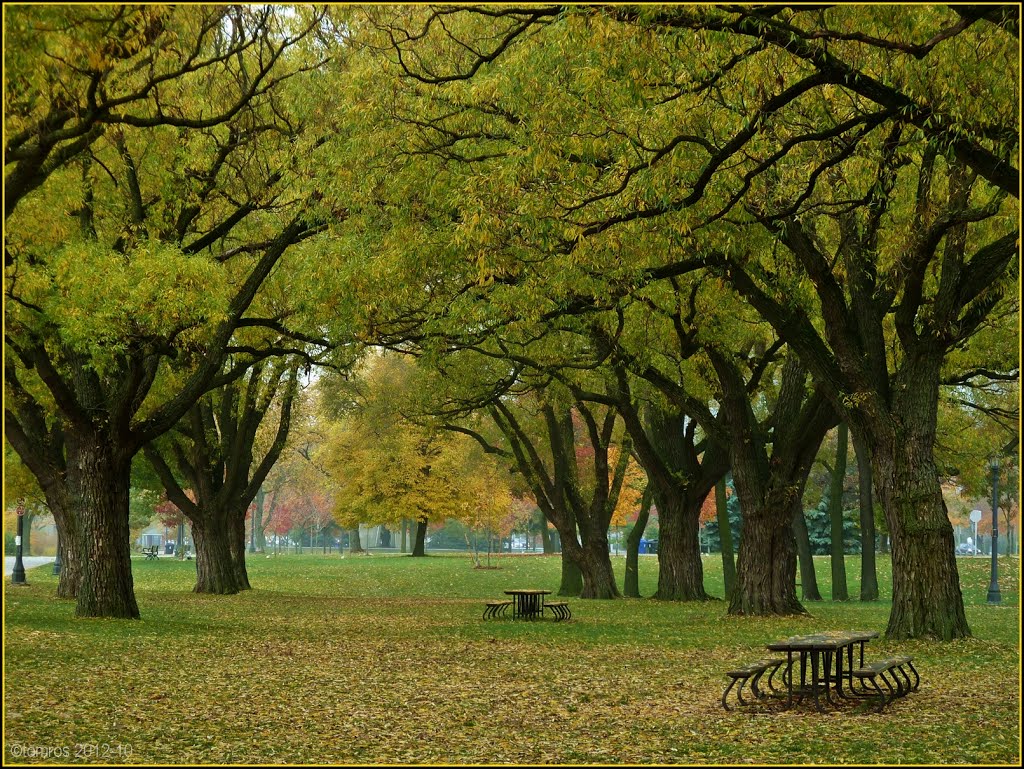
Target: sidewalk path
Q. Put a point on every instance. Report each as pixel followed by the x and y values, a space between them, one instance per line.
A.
pixel 27 561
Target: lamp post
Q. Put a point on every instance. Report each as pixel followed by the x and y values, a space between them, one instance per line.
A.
pixel 993 588
pixel 18 573
pixel 56 561
pixel 179 551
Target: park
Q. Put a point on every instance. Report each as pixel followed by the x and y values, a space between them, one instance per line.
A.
pixel 515 385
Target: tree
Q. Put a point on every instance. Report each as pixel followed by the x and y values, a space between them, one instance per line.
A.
pixel 488 505
pixel 382 466
pixel 631 579
pixel 154 223
pixel 213 450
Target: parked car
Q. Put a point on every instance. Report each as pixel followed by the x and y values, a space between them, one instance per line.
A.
pixel 965 549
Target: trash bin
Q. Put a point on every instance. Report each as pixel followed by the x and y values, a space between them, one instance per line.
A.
pixel 652 546
pixel 644 544
pixel 169 548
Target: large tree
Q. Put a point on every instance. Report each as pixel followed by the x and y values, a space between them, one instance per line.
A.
pixel 212 451
pixel 179 218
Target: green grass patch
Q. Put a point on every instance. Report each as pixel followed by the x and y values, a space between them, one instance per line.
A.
pixel 385 659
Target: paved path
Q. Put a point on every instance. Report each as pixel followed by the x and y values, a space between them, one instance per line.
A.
pixel 27 561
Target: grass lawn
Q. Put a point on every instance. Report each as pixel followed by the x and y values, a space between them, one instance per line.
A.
pixel 385 659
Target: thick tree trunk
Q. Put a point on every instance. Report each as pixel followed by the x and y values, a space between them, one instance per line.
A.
pixel 571 582
pixel 592 559
pixel 725 537
pixel 808 577
pixel 70 579
pixel 926 596
pixel 236 542
pixel 840 592
pixel 598 574
pixel 405 535
pixel 98 481
pixel 770 488
pixel 766 570
pixel 631 582
pixel 355 543
pixel 215 572
pixel 868 569
pixel 68 541
pixel 680 569
pixel 419 547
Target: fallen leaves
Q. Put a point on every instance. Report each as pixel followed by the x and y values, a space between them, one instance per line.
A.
pixel 353 675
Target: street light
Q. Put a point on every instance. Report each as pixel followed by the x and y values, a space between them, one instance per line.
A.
pixel 56 561
pixel 18 574
pixel 993 588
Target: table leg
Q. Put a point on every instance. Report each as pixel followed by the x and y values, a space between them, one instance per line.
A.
pixel 826 656
pixel 839 668
pixel 814 680
pixel 789 678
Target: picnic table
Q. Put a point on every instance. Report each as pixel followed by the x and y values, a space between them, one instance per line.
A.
pixel 816 655
pixel 527 603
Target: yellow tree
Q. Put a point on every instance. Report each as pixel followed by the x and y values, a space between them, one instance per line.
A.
pixel 384 467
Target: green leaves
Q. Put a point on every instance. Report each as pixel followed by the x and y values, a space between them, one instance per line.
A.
pixel 103 302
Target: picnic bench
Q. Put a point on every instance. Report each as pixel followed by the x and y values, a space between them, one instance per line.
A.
pixel 150 552
pixel 560 609
pixel 495 608
pixel 753 673
pixel 823 666
pixel 886 671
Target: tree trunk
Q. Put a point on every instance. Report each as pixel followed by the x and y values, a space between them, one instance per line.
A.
pixel 680 569
pixel 592 561
pixel 598 574
pixel 926 596
pixel 547 546
pixel 70 578
pixel 68 540
pixel 808 577
pixel 355 545
pixel 840 592
pixel 236 542
pixel 766 570
pixel 725 537
pixel 26 537
pixel 405 535
pixel 868 569
pixel 419 547
pixel 258 544
pixel 215 572
pixel 571 582
pixel 98 484
pixel 631 583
